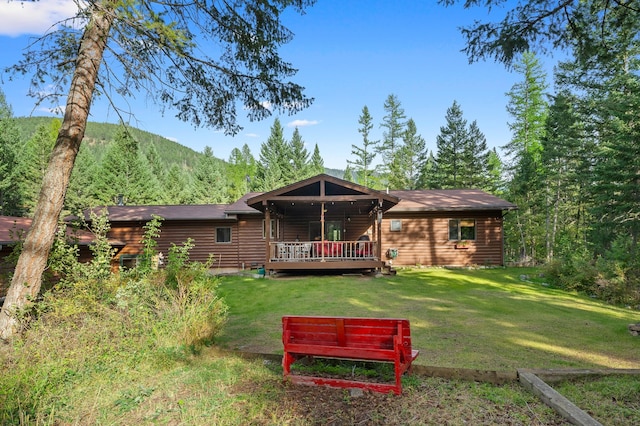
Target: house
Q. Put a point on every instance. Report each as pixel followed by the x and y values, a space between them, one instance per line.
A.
pixel 326 223
pixel 14 229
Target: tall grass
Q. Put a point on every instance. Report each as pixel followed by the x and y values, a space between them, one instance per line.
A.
pixel 94 331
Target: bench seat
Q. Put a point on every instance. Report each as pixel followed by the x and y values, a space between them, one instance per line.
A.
pixel 350 338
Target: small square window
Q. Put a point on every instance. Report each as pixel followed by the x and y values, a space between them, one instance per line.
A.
pixel 396 225
pixel 462 229
pixel 223 235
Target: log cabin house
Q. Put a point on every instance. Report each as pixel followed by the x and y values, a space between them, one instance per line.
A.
pixel 326 223
pixel 321 223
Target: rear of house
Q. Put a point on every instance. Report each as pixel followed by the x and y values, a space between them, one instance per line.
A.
pixel 325 223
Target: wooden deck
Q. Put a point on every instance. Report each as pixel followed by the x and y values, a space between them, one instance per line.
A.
pixel 320 255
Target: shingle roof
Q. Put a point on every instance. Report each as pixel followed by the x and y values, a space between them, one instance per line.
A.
pixel 183 212
pixel 14 228
pixel 241 207
pixel 448 200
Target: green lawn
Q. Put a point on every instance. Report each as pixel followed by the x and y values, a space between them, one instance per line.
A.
pixel 483 319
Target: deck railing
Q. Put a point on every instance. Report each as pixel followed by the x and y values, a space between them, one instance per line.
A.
pixel 314 251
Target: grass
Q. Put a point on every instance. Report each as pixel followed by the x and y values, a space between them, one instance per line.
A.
pixel 87 364
pixel 481 319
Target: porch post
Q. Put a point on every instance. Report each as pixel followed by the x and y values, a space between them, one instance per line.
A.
pixel 322 233
pixel 267 230
pixel 378 220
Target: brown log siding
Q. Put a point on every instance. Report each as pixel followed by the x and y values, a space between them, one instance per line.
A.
pixel 424 239
pixel 293 227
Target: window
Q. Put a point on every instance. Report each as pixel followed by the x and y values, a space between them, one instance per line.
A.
pixel 462 229
pixel 274 229
pixel 396 225
pixel 332 230
pixel 223 235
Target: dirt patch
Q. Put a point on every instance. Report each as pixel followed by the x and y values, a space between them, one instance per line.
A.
pixel 423 404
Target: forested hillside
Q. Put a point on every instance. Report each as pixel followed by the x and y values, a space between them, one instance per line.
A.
pixel 98 135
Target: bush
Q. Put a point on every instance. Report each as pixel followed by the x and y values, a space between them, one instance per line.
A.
pixel 95 328
pixel 612 280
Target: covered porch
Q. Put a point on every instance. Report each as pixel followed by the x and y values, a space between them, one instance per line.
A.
pixel 323 223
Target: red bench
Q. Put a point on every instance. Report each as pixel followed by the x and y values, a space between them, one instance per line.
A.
pixel 365 339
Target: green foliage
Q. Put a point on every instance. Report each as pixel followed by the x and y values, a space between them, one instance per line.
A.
pixel 364 154
pixel 210 185
pixel 10 199
pixel 125 172
pixel 394 125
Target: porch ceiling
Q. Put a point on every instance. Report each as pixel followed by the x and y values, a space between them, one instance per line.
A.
pixel 304 207
pixel 306 197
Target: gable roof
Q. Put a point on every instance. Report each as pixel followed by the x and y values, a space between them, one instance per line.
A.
pixel 448 200
pixel 323 188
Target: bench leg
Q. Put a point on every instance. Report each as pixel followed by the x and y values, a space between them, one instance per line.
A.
pixel 287 360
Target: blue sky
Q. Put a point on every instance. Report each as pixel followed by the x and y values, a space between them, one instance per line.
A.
pixel 349 54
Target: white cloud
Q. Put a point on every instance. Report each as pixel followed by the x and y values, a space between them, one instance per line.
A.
pixel 33 17
pixel 252 135
pixel 171 138
pixel 302 123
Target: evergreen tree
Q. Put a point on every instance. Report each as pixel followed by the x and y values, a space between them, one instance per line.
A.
pixel 273 167
pixel 10 198
pixel 158 168
pixel 33 161
pixel 475 173
pixel 317 163
pixel 525 228
pixel 124 175
pixel 80 195
pixel 394 125
pixel 209 185
pixel 411 158
pixel 528 110
pixel 364 154
pixel 495 183
pixel 177 188
pixel 201 58
pixel 428 173
pixel 299 166
pixel 563 160
pixel 450 163
pixel 241 171
pixel 348 176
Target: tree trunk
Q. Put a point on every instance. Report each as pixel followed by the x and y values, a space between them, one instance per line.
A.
pixel 27 277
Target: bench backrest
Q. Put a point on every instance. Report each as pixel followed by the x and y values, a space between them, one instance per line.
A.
pixel 347 332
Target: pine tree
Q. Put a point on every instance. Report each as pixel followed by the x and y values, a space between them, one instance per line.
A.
pixel 125 176
pixel 299 163
pixel 241 171
pixel 428 173
pixel 563 158
pixel 10 198
pixel 177 188
pixel 394 125
pixel 80 195
pixel 209 185
pixel 529 111
pixel 274 164
pixel 411 158
pixel 450 164
pixel 495 183
pixel 33 161
pixel 317 163
pixel 155 162
pixel 364 154
pixel 348 175
pixel 475 173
